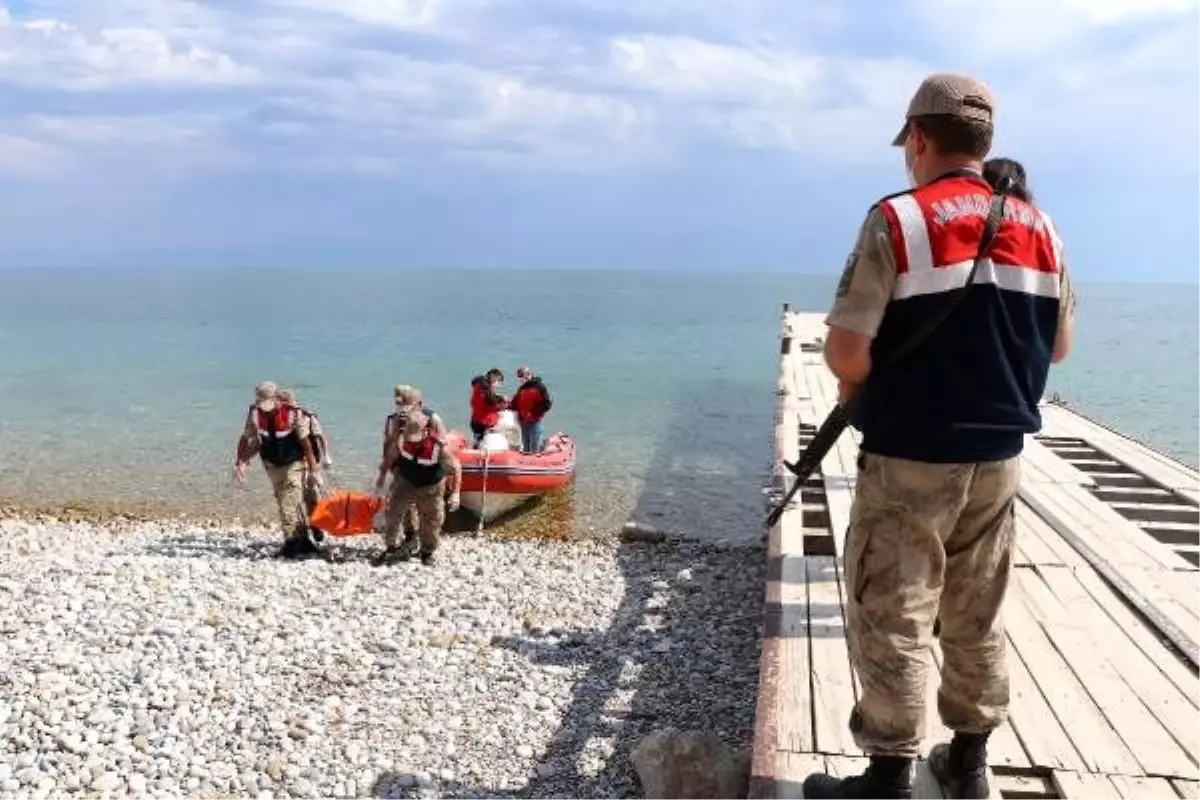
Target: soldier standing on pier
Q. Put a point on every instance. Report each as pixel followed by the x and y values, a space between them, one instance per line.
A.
pixel 932 525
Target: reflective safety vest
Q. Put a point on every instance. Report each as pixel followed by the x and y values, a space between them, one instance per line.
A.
pixel 278 443
pixel 420 462
pixel 969 392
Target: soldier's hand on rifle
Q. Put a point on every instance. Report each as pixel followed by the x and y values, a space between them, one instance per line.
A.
pixel 452 502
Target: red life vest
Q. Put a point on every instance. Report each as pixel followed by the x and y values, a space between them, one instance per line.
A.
pixel 483 411
pixel 420 462
pixel 278 443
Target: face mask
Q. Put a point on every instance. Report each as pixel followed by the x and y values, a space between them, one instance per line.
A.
pixel 908 168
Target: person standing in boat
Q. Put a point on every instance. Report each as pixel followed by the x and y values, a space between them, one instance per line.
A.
pixel 531 402
pixel 408 401
pixel 280 436
pixel 932 524
pixel 486 402
pixel 425 474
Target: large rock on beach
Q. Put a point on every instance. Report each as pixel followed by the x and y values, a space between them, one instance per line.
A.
pixel 690 764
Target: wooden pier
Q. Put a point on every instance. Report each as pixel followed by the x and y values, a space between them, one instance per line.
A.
pixel 1102 615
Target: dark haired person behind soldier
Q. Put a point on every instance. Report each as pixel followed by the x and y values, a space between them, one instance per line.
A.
pixel 931 527
pixel 997 171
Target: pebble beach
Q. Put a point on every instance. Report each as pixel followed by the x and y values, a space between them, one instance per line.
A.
pixel 174 659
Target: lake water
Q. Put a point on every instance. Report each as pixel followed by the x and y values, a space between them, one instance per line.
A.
pixel 129 387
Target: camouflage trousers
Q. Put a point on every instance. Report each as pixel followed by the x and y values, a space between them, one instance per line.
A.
pixel 928 540
pixel 430 506
pixel 287 483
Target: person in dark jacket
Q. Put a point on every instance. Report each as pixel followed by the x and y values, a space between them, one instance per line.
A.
pixel 531 402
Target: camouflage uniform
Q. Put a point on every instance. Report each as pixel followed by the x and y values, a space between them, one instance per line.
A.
pixel 408 402
pixel 286 481
pixel 429 501
pixel 924 539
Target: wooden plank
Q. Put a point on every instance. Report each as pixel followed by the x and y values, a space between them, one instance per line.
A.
pixel 846 766
pixel 1169 705
pixel 1134 788
pixel 1086 507
pixel 1189 790
pixel 793 694
pixel 838 479
pixel 1082 785
pixel 792 769
pixel 1073 525
pixel 1098 745
pixel 1030 525
pixel 833 690
pixel 782 713
pixel 1054 467
pixel 1007 785
pixel 1167 662
pixel 1032 546
pixel 1184 588
pixel 1135 589
pixel 1154 465
pixel 1151 743
pixel 1034 723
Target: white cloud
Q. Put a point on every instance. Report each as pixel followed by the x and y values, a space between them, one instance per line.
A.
pixel 680 65
pixel 58 54
pixel 397 13
pixel 380 85
pixel 23 156
pixel 1028 30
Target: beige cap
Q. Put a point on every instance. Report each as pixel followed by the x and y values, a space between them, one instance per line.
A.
pixel 407 395
pixel 264 396
pixel 951 94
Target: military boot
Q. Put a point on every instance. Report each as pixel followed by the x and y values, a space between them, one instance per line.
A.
pixel 886 776
pixel 961 766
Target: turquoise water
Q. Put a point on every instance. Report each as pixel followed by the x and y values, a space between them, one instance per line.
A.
pixel 131 386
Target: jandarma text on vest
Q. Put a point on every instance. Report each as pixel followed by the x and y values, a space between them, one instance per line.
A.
pixel 977 205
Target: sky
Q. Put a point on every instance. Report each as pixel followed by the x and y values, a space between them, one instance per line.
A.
pixel 567 134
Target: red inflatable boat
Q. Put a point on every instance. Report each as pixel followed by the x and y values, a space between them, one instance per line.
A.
pixel 497 477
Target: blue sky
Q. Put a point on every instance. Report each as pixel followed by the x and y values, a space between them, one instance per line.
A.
pixel 703 134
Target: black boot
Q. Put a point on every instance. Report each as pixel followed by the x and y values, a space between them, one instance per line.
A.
pixel 299 546
pixel 961 766
pixel 886 776
pixel 392 555
pixel 427 558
